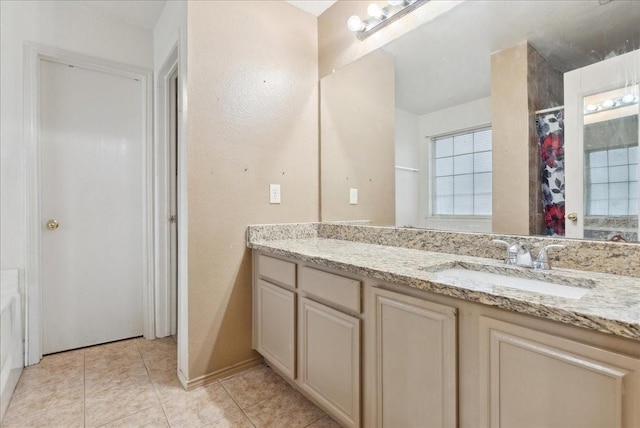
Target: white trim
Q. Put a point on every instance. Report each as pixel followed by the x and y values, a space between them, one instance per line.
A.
pixel 183 217
pixel 33 54
pixel 162 189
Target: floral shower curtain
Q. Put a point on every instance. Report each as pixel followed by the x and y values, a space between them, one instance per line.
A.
pixel 551 146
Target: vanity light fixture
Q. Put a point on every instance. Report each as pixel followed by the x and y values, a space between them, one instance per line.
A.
pixel 375 11
pixel 380 17
pixel 611 104
pixel 608 103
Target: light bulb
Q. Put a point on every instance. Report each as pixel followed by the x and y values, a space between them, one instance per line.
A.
pixel 355 24
pixel 592 107
pixel 629 98
pixel 608 103
pixel 374 11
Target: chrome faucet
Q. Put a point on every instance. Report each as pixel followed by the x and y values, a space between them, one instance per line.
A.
pixel 542 262
pixel 519 254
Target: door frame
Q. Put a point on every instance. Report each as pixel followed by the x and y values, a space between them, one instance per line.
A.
pixel 33 54
pixel 162 195
pixel 174 60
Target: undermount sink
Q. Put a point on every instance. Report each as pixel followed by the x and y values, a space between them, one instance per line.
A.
pixel 479 275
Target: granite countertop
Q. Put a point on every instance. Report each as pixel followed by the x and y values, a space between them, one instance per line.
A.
pixel 611 305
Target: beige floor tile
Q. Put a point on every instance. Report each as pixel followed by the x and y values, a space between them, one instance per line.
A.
pixel 70 416
pixel 162 373
pixel 108 361
pixel 55 394
pixel 232 420
pixel 64 367
pixel 197 407
pixel 151 418
pixel 118 403
pixel 167 386
pixel 160 356
pixel 67 360
pixel 133 383
pixel 254 385
pixel 101 377
pixel 121 349
pixel 288 409
pixel 37 375
pixel 165 344
pixel 325 422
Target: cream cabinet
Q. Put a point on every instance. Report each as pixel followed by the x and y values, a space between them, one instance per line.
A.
pixel 307 325
pixel 275 336
pixel 533 379
pixel 415 362
pixel 376 354
pixel 330 360
pixel 329 337
pixel 274 312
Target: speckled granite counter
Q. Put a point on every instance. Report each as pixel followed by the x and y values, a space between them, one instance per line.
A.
pixel 612 304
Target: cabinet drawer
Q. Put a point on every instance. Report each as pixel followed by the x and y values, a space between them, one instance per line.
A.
pixel 277 270
pixel 333 288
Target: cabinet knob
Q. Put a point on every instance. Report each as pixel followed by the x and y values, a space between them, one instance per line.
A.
pixel 572 216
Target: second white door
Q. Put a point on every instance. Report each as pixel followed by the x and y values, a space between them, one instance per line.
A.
pixel 92 206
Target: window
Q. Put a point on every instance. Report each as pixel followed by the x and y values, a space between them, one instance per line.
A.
pixel 612 182
pixel 462 174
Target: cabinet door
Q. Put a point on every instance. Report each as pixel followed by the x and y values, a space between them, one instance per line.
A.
pixel 275 315
pixel 330 360
pixel 533 379
pixel 415 358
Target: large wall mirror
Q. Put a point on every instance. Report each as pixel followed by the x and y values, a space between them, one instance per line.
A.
pixel 459 124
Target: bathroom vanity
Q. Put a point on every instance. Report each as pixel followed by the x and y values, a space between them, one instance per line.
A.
pixel 379 333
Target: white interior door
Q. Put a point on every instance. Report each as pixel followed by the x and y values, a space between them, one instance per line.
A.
pixel 92 184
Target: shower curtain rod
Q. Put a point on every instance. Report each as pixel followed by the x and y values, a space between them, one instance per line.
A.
pixel 549 110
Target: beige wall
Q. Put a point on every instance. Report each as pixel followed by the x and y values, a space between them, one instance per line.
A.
pixel 521 83
pixel 337 46
pixel 357 115
pixel 510 111
pixel 253 120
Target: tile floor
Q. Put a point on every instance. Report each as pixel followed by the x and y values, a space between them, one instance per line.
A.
pixel 133 383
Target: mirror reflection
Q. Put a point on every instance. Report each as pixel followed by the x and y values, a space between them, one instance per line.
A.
pixel 476 138
pixel 611 164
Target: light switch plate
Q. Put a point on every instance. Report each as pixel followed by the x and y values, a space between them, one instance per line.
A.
pixel 274 193
pixel 353 196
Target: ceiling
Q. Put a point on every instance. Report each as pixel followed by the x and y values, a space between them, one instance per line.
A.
pixel 143 13
pixel 314 7
pixel 446 62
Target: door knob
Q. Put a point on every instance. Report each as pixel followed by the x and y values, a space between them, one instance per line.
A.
pixel 53 224
pixel 572 216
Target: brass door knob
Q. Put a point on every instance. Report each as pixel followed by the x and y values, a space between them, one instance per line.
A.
pixel 53 224
pixel 572 216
